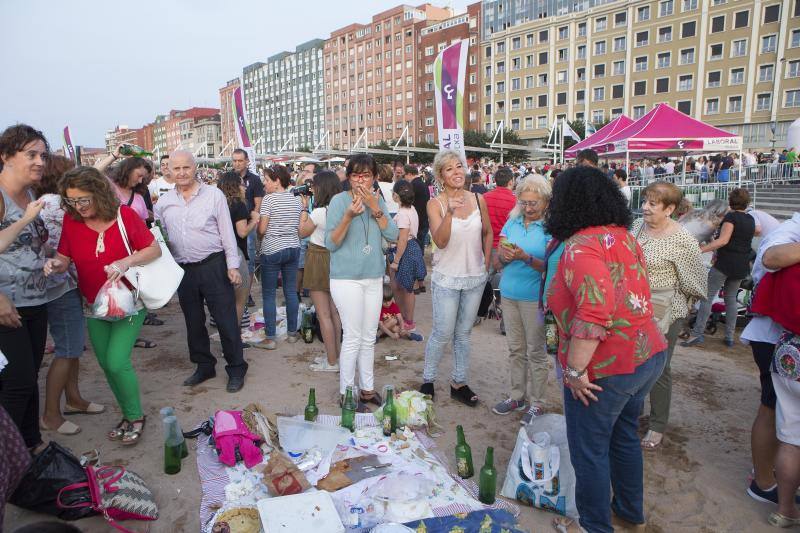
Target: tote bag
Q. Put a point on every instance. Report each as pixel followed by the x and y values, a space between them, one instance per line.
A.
pixel 156 282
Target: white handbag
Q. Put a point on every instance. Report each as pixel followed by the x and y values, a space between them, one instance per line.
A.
pixel 156 282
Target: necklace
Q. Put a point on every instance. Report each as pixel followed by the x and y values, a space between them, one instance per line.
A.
pixel 367 249
pixel 100 247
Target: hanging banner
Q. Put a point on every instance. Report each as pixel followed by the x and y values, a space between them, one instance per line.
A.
pixel 449 75
pixel 243 129
pixel 69 150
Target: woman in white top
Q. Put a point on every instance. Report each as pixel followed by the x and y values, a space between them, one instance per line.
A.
pixel 316 279
pixel 461 230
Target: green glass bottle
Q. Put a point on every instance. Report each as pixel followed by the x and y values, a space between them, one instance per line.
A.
pixel 306 328
pixel 463 455
pixel 133 150
pixel 349 410
pixel 172 446
pixel 311 409
pixel 169 411
pixel 163 231
pixel 487 482
pixel 389 418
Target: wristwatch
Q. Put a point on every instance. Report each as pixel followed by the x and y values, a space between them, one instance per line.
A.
pixel 573 373
pixel 377 214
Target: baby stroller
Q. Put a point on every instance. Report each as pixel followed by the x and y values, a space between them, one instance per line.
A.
pixel 717 315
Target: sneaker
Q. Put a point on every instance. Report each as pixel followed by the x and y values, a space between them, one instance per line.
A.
pixel 532 413
pixel 767 496
pixel 415 337
pixel 508 405
pixel 292 338
pixel 324 366
pixel 268 344
pixel 729 343
pixel 693 341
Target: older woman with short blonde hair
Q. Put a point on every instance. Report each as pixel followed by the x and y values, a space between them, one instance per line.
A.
pixel 461 230
pixel 521 250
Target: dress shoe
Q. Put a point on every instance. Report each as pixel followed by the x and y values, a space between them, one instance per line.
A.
pixel 198 377
pixel 235 384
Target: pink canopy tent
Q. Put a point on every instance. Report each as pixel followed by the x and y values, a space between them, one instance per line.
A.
pixel 619 123
pixel 666 130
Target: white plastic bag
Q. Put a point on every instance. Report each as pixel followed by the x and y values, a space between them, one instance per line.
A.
pixel 114 301
pixel 539 472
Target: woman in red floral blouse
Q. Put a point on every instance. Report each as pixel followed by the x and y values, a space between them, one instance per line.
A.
pixel 610 348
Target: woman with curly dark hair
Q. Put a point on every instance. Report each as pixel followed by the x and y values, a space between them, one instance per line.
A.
pixel 610 348
pixel 92 239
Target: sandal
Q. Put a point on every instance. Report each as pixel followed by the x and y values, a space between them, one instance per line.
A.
pixel 652 440
pixel 464 395
pixel 118 432
pixel 132 435
pixel 779 520
pixel 66 427
pixel 374 399
pixel 152 320
pixel 144 343
pixel 427 388
pixel 91 409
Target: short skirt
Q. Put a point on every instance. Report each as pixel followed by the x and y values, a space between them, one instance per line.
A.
pixel 317 272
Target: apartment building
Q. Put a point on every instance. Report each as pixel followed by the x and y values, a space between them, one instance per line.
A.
pixel 370 76
pixel 732 63
pixel 284 99
pixel 433 37
pixel 122 134
pixel 228 115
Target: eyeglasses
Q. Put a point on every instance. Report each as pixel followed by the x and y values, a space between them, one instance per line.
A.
pixel 361 176
pixel 83 201
pixel 525 203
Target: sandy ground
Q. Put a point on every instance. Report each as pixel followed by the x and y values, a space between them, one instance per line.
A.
pixel 696 482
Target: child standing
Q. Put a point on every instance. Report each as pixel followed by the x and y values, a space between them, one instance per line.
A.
pixel 391 321
pixel 407 264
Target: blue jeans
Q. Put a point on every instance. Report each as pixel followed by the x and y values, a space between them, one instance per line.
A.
pixel 454 313
pixel 251 251
pixel 604 447
pixel 285 263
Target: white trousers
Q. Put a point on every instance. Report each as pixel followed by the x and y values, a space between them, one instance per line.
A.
pixel 359 304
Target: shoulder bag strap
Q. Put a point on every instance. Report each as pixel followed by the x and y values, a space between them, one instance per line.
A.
pixel 2 206
pixel 122 231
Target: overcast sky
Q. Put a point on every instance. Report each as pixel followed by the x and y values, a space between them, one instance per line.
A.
pixel 93 64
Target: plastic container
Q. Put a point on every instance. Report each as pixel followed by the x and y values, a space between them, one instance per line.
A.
pixel 296 435
pixel 310 511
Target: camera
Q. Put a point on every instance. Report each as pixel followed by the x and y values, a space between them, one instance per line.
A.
pixel 302 190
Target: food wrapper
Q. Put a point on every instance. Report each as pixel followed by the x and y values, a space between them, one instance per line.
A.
pixel 114 301
pixel 282 477
pixel 414 409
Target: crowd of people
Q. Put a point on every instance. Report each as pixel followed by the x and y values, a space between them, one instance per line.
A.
pixel 555 246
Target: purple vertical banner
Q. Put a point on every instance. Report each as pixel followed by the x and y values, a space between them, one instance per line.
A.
pixel 449 74
pixel 242 129
pixel 69 150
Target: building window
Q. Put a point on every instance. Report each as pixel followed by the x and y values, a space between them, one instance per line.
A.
pixel 515 104
pixel 581 52
pixel 794 41
pixel 764 102
pixel 662 85
pixel 718 24
pixel 617 91
pixel 429 50
pixel 501 87
pixel 515 84
pixel 621 18
pixel 769 43
pixel 734 104
pixel 685 107
pixel 563 54
pixel 640 88
pixel 561 99
pixel 515 124
pixel 741 19
pixel 712 106
pixel 544 36
pixel 542 80
pixel 563 32
pixel 429 121
pixel 488 109
pixel 772 13
pixel 599 70
pixel 619 68
pixel 599 48
pixel 580 74
pixel 542 100
pixel 640 64
pixel 561 77
pixel 766 73
pixel 619 44
pixel 542 58
pixel 582 29
pixel 598 94
pixel 516 63
pixel 529 82
pixel 714 79
pixel 664 59
pixel 541 122
pixel 598 116
pixel 792 98
pixel 529 61
pixel 638 112
pixel 715 52
pixel 529 102
pixel 666 8
pixel 643 13
pixel 600 24
pixel 488 91
pixel 516 43
pixel 528 123
pixel 737 76
pixel 793 69
pixel 687 56
pixel 642 38
pixel 688 5
pixel 501 47
pixel 580 96
pixel 665 34
pixel 488 52
pixel 529 40
pixel 688 29
pixel 739 48
pixel 685 82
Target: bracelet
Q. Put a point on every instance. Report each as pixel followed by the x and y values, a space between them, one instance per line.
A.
pixel 377 214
